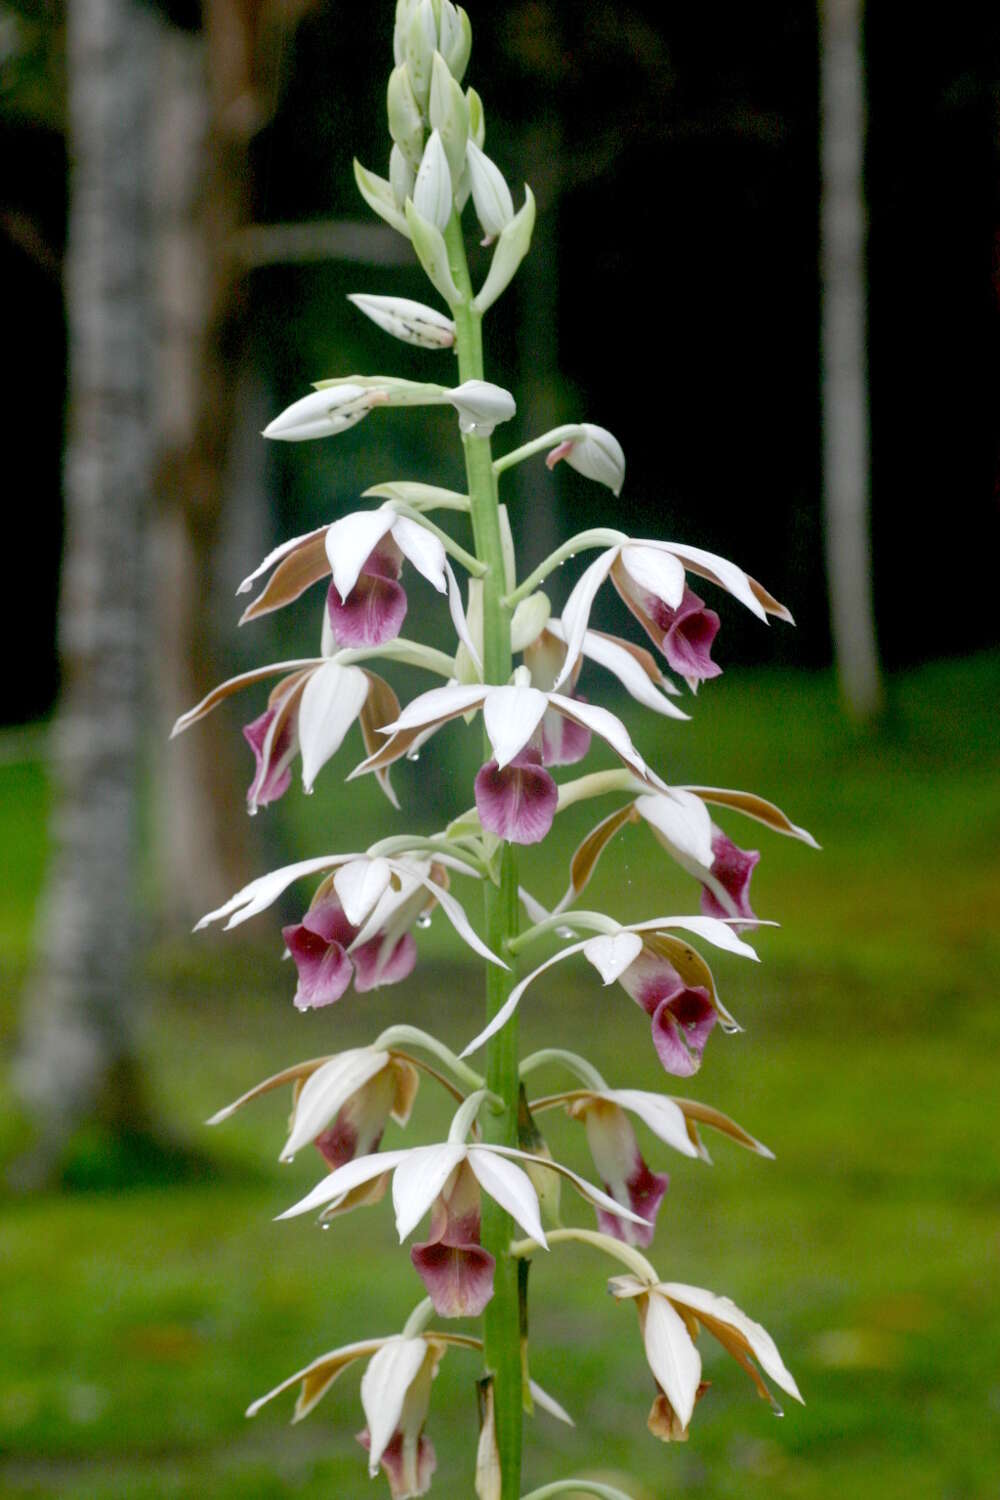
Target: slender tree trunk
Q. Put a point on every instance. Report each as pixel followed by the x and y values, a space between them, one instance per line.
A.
pixel 78 1042
pixel 846 437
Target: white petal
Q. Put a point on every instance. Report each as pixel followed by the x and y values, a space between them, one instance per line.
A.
pixel 656 571
pixel 664 1118
pixel 576 612
pixel 611 955
pixel 351 1175
pixel 511 716
pixel 360 886
pixel 535 910
pixel 350 541
pixel 509 1006
pixel 332 699
pixel 713 929
pixel 422 548
pixel 611 730
pixel 384 1385
pixel 412 322
pixel 419 1180
pixel 549 1403
pixel 764 1348
pixel 684 821
pixel 437 705
pixel 584 1188
pixel 490 193
pixel 624 666
pixel 260 893
pixel 509 1186
pixel 276 556
pixel 455 913
pixel 672 1356
pixel 326 1090
pixel 728 574
pixel 458 618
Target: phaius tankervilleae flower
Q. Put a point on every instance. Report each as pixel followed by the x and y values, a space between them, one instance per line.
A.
pixel 385 911
pixel 662 972
pixel 519 805
pixel 650 577
pixel 309 712
pixel 341 1105
pixel 329 949
pixel 597 454
pixel 670 1314
pixel 364 551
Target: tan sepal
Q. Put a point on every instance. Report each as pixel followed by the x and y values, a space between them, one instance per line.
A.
pixel 235 685
pixel 296 572
pixel 753 807
pixel 488 1480
pixel 689 964
pixel 735 1344
pixel 589 852
pixel 366 1196
pixel 318 1377
pixel 407 1081
pixel 770 603
pixel 295 1075
pixel 693 1110
pixel 380 707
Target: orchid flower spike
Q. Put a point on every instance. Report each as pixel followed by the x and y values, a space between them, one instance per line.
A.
pixel 669 1318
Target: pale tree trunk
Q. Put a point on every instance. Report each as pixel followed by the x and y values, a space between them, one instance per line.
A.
pixel 78 1040
pixel 846 434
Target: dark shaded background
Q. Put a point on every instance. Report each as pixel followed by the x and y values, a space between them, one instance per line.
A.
pixel 685 241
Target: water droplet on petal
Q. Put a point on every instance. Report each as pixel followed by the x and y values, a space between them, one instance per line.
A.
pixel 424 920
pixel 325 1224
pixel 564 931
pixel 413 755
pixel 729 1027
pixel 778 1410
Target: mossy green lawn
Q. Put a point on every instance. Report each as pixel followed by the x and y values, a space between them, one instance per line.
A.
pixel 137 1324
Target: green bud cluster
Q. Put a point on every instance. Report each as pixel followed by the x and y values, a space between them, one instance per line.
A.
pixel 437 161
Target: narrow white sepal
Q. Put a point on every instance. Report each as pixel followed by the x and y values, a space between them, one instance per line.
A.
pixel 511 1187
pixel 683 820
pixel 351 1175
pixel 511 716
pixel 326 1090
pixel 331 701
pixel 360 886
pixel 672 1356
pixel 420 1179
pixel 384 1385
pixel 576 612
pixel 351 540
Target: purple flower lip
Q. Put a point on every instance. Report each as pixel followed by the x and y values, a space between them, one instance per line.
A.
pixel 519 802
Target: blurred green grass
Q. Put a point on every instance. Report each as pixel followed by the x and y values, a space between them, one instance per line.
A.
pixel 137 1325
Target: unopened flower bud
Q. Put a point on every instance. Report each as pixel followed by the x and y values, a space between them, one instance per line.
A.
pixel 597 455
pixel 455 38
pixel 380 197
pixel 321 414
pixel 529 620
pixel 490 193
pixel 481 406
pixel 477 118
pixel 404 15
pixel 432 195
pixel 449 115
pixel 402 177
pixel 406 123
pixel 432 252
pixel 421 42
pixel 410 321
pixel 512 246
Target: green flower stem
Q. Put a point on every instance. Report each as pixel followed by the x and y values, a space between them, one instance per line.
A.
pixel 598 784
pixel 409 653
pixel 592 921
pixel 502 1339
pixel 617 1249
pixel 578 1487
pixel 405 843
pixel 469 563
pixel 599 536
pixel 569 433
pixel 412 1036
pixel 584 1070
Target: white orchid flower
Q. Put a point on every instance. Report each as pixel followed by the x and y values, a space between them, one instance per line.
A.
pixel 265 890
pixel 670 1314
pixel 650 577
pixel 614 954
